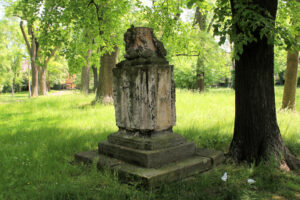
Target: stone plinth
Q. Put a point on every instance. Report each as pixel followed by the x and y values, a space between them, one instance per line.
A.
pixel 144 97
pixel 203 160
pixel 145 147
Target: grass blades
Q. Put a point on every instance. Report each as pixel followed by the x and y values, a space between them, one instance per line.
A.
pixel 39 136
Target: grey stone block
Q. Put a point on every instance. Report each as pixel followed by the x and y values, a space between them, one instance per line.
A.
pixel 155 142
pixel 86 157
pixel 147 158
pixel 217 157
pixel 152 176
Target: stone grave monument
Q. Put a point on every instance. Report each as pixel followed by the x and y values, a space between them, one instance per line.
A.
pixel 145 147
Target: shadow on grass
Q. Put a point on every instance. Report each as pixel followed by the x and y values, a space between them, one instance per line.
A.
pixel 212 137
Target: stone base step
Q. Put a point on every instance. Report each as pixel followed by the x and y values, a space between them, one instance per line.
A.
pixel 203 160
pixel 162 140
pixel 147 158
pixel 151 177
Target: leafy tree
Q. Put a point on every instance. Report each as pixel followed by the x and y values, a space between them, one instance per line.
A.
pixel 251 25
pixel 96 29
pixel 57 71
pixel 44 35
pixel 289 15
pixel 11 54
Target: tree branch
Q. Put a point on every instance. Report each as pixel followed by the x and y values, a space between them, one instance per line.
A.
pixel 210 24
pixel 52 54
pixel 183 54
pixel 25 37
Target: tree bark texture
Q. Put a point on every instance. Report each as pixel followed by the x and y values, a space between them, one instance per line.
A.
pixel 95 73
pixel 85 74
pixel 105 85
pixel 85 79
pixel 29 89
pixel 290 84
pixel 43 89
pixel 33 49
pixel 200 19
pixel 34 80
pixel 42 81
pixel 200 75
pixel 256 133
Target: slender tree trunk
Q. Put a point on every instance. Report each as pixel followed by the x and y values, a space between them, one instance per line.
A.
pixel 34 80
pixel 12 86
pixel 85 74
pixel 85 79
pixel 200 81
pixel 104 89
pixel 290 84
pixel 29 85
pixel 33 48
pixel 256 133
pixel 200 19
pixel 200 75
pixel 95 73
pixel 42 80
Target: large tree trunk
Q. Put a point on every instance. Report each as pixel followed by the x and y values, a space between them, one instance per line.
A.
pixel 34 80
pixel 256 133
pixel 95 73
pixel 104 89
pixel 290 84
pixel 42 80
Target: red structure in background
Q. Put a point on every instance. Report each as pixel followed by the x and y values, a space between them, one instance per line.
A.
pixel 69 82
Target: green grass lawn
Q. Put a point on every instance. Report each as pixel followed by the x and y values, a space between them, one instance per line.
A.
pixel 39 136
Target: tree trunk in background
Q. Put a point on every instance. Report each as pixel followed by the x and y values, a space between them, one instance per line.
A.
pixel 33 49
pixel 85 74
pixel 200 19
pixel 42 80
pixel 85 79
pixel 29 85
pixel 290 84
pixel 104 89
pixel 200 75
pixel 43 89
pixel 34 80
pixel 95 73
pixel 200 82
pixel 256 133
pixel 12 86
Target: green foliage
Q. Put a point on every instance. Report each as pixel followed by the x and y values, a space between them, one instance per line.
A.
pixel 43 20
pixel 214 61
pixel 57 72
pixel 251 22
pixel 288 19
pixel 11 54
pixel 94 25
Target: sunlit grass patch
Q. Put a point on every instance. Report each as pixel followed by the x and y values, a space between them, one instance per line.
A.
pixel 39 136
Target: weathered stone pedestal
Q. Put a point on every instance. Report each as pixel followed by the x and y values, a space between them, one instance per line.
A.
pixel 145 147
